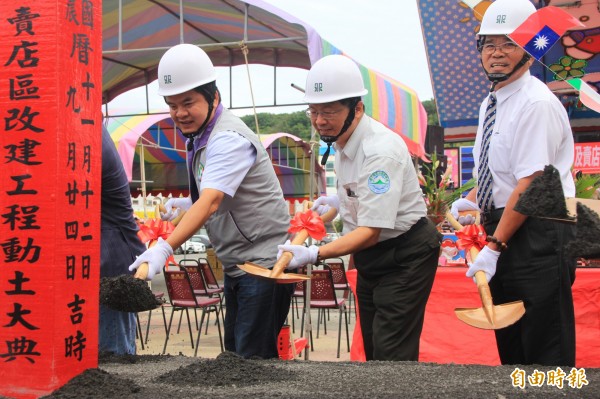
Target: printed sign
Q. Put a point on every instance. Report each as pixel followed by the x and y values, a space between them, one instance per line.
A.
pixel 49 193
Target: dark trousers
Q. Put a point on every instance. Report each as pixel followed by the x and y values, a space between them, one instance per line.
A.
pixel 256 310
pixel 394 281
pixel 535 270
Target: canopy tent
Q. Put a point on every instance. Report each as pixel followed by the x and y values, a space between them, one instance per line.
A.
pixel 164 157
pixel 137 33
pixel 291 159
pixel 459 85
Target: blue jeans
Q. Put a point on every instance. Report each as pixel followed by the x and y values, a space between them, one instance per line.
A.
pixel 256 310
pixel 116 332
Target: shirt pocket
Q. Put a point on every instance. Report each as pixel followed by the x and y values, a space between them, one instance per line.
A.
pixel 350 199
pixel 500 153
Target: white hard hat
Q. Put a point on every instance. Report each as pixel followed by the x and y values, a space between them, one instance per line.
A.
pixel 184 67
pixel 333 78
pixel 504 16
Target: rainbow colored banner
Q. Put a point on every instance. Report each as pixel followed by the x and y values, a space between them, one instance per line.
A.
pixel 390 102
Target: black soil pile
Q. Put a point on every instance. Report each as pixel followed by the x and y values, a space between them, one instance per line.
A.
pixel 544 197
pixel 586 243
pixel 95 382
pixel 228 369
pixel 126 293
pixel 230 376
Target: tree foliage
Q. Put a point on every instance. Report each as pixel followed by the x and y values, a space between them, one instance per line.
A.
pixel 298 124
pixel 295 123
pixel 431 109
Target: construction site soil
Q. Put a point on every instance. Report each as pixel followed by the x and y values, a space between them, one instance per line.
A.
pixel 229 376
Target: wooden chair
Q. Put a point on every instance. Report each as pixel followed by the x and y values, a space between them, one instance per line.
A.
pixel 322 296
pixel 182 298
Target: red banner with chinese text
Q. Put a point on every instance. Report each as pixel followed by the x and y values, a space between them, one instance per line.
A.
pixel 49 192
pixel 587 157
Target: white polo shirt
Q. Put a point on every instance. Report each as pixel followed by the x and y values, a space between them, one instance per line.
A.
pixel 376 181
pixel 531 131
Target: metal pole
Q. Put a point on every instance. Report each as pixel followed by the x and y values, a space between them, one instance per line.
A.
pixel 311 193
pixel 143 176
pixel 314 147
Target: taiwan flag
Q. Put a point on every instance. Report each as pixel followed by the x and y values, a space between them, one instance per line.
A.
pixel 541 30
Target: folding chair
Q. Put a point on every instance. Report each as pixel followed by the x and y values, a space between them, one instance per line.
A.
pixel 322 296
pixel 200 286
pixel 212 283
pixel 340 282
pixel 211 280
pixel 298 293
pixel 182 298
pixel 158 295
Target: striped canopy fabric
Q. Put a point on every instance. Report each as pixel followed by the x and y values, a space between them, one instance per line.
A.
pixel 137 34
pixel 165 158
pixel 290 156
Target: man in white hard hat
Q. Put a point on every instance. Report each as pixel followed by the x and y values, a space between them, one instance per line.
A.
pixel 527 128
pixel 395 246
pixel 234 192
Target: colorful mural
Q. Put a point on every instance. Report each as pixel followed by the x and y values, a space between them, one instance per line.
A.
pixel 459 85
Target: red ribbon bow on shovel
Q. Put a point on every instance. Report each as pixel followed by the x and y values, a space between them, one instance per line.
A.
pixel 154 229
pixel 309 221
pixel 472 235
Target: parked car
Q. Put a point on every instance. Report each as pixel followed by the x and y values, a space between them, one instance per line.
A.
pixel 204 240
pixel 193 246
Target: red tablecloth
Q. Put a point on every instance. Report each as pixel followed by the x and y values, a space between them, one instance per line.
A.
pixel 445 339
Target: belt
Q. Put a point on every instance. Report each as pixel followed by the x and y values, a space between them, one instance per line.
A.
pixel 491 216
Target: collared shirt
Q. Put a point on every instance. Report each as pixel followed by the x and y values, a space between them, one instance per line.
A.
pixel 228 159
pixel 376 181
pixel 531 131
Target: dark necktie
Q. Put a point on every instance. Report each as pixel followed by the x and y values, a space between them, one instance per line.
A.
pixel 484 179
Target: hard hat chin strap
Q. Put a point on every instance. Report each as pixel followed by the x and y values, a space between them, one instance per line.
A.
pixel 332 139
pixel 496 78
pixel 209 92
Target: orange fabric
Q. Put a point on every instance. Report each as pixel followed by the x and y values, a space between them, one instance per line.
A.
pixel 445 339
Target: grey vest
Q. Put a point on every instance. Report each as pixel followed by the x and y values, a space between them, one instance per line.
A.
pixel 250 225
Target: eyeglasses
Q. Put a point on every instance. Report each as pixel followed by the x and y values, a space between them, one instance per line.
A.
pixel 325 115
pixel 506 48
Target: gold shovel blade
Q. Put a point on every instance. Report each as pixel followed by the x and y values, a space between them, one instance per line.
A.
pixel 503 316
pixel 264 273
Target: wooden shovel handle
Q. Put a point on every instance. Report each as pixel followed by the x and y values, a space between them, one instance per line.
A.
pixel 286 257
pixel 161 208
pixel 482 286
pixel 142 270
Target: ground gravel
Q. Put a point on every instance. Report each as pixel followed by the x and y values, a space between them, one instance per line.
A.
pixel 229 376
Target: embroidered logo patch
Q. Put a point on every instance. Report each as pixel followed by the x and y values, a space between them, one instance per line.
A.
pixel 379 182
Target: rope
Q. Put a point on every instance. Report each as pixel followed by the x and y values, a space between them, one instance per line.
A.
pixel 245 50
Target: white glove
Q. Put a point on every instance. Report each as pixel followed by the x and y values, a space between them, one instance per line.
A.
pixel 156 257
pixel 463 204
pixel 323 204
pixel 486 262
pixel 174 206
pixel 302 254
